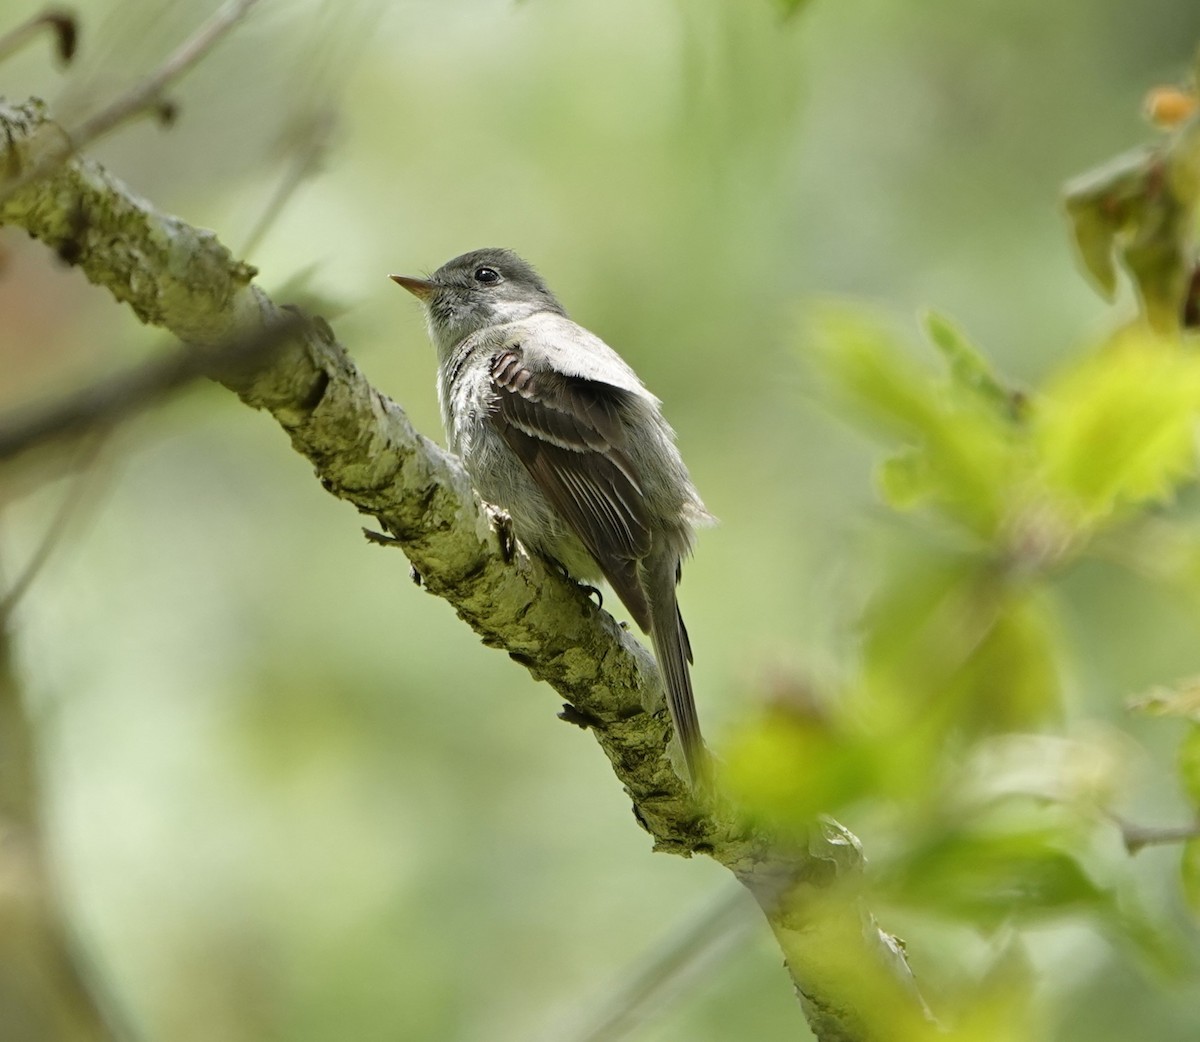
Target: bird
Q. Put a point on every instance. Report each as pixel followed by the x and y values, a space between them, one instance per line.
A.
pixel 556 430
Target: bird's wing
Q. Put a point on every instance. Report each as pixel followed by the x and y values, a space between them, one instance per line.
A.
pixel 568 433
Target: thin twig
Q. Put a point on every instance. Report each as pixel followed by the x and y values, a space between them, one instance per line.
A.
pixel 59 21
pixel 305 160
pixel 146 95
pixel 111 400
pixel 80 484
pixel 1135 837
pixel 693 947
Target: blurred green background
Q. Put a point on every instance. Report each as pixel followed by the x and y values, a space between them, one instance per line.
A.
pixel 290 795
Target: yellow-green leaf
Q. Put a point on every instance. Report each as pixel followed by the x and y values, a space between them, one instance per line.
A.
pixel 961 451
pixel 1100 204
pixel 1189 869
pixel 904 479
pixel 1188 761
pixel 968 366
pixel 1119 427
pixel 787 768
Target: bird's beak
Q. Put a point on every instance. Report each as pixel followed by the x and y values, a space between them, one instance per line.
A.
pixel 421 288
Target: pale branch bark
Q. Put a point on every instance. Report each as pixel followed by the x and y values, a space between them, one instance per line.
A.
pixel 851 977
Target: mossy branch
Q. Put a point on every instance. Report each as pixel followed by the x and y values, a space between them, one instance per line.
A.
pixel 365 451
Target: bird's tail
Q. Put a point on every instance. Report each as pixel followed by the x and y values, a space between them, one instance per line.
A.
pixel 674 652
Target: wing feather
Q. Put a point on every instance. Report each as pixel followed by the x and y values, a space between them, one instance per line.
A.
pixel 567 432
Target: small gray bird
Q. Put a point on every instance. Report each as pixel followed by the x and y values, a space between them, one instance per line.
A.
pixel 557 431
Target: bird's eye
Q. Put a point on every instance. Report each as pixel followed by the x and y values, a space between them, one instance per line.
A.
pixel 488 276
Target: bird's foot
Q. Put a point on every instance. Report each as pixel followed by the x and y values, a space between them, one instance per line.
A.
pixel 588 589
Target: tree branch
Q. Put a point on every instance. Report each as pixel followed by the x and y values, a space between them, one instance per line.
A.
pixel 147 93
pixel 80 487
pixel 852 979
pixel 1137 837
pixel 97 408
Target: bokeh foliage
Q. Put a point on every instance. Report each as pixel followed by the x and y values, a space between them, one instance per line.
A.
pixel 962 656
pixel 288 794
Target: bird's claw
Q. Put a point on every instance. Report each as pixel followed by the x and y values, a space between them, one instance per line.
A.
pixel 589 590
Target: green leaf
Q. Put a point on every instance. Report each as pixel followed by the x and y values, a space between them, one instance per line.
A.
pixel 960 452
pixel 991 877
pixel 1142 208
pixel 951 647
pixel 1100 205
pixel 998 1007
pixel 1119 428
pixel 903 479
pixel 968 366
pixel 1189 869
pixel 1011 681
pixel 1019 861
pixel 788 767
pixel 1188 762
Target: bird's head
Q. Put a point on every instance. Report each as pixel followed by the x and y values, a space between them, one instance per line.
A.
pixel 479 289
